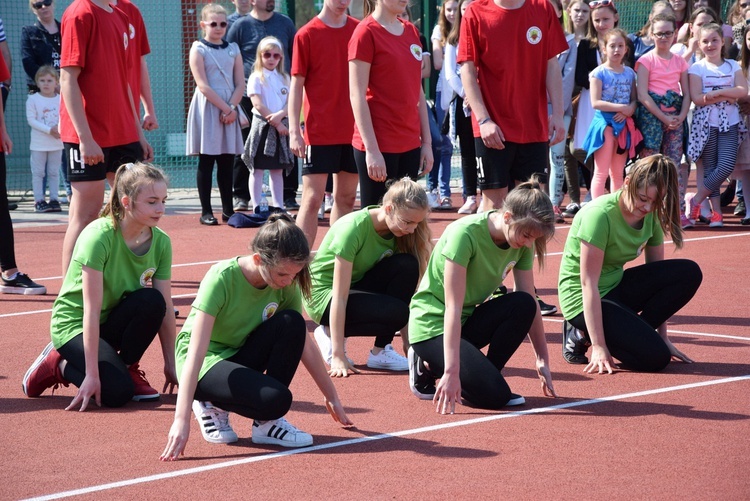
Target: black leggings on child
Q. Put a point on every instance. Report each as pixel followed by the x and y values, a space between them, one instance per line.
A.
pixel 254 382
pixel 502 323
pixel 657 290
pixel 123 339
pixel 204 178
pixel 378 305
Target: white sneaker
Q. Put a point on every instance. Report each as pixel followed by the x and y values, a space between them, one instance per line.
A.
pixel 433 199
pixel 322 211
pixel 469 206
pixel 214 423
pixel 280 432
pixel 388 359
pixel 328 202
pixel 324 345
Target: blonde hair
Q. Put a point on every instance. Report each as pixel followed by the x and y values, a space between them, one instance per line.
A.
pixel 212 8
pixel 531 210
pixel 279 239
pixel 661 172
pixel 129 181
pixel 406 194
pixel 46 70
pixel 443 23
pixel 264 45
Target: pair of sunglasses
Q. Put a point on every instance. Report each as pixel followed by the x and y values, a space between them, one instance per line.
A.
pixel 268 55
pixel 43 3
pixel 595 4
pixel 214 24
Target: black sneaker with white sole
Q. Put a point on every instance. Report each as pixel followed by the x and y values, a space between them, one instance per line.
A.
pixel 575 345
pixel 546 309
pixel 421 383
pixel 515 400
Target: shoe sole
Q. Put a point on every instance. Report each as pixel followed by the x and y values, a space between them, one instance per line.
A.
pixel 282 443
pixel 35 366
pixel 546 313
pixel 412 384
pixel 387 367
pixel 146 398
pixel 515 400
pixel 716 225
pixel 24 291
pixel 569 357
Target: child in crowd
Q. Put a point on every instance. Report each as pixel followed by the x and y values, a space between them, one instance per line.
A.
pixel 683 9
pixel 687 45
pixel 664 99
pixel 717 128
pixel 43 115
pixel 113 300
pixel 242 342
pixel 742 169
pixel 452 319
pixel 461 115
pixel 364 276
pixel 622 313
pixel 267 146
pixel 613 97
pixel 213 125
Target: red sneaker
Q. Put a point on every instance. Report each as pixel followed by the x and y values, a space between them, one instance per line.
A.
pixel 716 221
pixel 143 391
pixel 44 373
pixel 693 211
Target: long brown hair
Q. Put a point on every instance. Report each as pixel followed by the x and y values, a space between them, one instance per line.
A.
pixel 407 194
pixel 456 28
pixel 279 239
pixel 661 172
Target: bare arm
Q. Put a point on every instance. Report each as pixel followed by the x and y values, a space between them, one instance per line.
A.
pixel 342 279
pixel 180 431
pixel 425 155
pixel 437 55
pixel 554 84
pixel 448 391
pixel 359 78
pixel 296 139
pixel 5 50
pixel 592 259
pixel 645 99
pixel 595 85
pixel 167 335
pixel 93 291
pixel 489 131
pixel 313 362
pixel 91 153
pixel 524 280
pixel 149 111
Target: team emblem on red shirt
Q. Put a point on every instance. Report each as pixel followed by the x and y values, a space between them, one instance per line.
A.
pixel 534 35
pixel 125 40
pixel 416 51
pixel 132 31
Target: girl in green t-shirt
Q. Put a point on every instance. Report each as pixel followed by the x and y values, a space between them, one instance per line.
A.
pixel 113 300
pixel 453 315
pixel 242 342
pixel 623 313
pixel 364 275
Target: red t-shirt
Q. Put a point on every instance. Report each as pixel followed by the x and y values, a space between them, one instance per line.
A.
pixel 4 75
pixel 395 84
pixel 139 44
pixel 510 49
pixel 320 56
pixel 97 41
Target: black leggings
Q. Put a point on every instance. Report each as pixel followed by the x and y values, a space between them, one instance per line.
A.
pixel 379 303
pixel 255 381
pixel 468 151
pixel 129 330
pixel 204 178
pixel 397 165
pixel 502 323
pixel 7 245
pixel 657 290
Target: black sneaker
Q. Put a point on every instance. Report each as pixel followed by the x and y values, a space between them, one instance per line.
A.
pixel 575 344
pixel 515 400
pixel 420 382
pixel 291 204
pixel 740 210
pixel 54 206
pixel 571 210
pixel 21 284
pixel 546 309
pixel 41 206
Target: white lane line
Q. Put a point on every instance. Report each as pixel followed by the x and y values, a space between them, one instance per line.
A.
pixel 383 436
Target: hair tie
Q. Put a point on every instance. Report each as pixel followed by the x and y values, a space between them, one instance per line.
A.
pixel 129 165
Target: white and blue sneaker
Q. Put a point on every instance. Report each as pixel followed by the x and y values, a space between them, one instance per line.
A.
pixel 280 432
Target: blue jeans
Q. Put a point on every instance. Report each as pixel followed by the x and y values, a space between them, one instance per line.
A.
pixel 441 170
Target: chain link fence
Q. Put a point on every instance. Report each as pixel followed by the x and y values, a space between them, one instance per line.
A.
pixel 172 27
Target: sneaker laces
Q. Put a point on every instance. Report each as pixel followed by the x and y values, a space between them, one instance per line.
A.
pixel 221 418
pixel 138 373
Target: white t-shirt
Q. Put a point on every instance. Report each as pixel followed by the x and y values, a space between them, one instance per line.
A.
pixel 717 77
pixel 274 92
pixel 43 113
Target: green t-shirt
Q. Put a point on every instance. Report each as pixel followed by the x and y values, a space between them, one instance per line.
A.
pixel 238 307
pixel 102 248
pixel 353 237
pixel 602 224
pixel 468 243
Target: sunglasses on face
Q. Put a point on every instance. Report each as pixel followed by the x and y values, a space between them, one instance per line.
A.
pixel 214 24
pixel 43 3
pixel 269 55
pixel 601 3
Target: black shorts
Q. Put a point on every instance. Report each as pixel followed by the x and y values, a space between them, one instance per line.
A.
pixel 114 157
pixel 329 159
pixel 516 162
